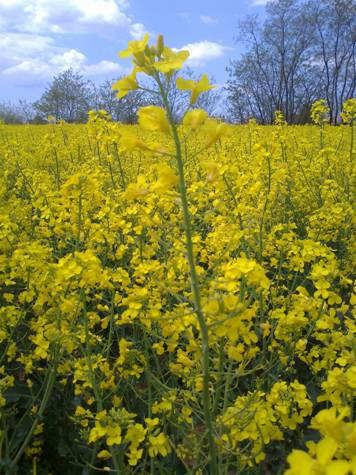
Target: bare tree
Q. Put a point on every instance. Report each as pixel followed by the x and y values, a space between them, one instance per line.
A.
pixel 334 50
pixel 9 114
pixel 68 97
pixel 122 110
pixel 179 100
pixel 20 112
pixel 303 51
pixel 26 110
pixel 271 74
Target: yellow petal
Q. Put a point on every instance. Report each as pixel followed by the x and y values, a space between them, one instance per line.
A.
pixel 134 47
pixel 153 118
pixel 325 450
pixel 300 462
pixel 104 454
pixel 193 119
pixel 338 467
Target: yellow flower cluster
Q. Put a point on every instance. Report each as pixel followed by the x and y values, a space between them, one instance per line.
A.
pixel 319 112
pixel 260 419
pixel 176 297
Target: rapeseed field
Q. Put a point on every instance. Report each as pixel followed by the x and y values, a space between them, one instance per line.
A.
pixel 177 297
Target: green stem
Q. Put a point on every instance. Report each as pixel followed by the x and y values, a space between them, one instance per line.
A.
pixel 265 207
pixel 352 143
pixel 57 173
pixel 79 221
pixel 117 157
pixel 92 379
pixel 38 417
pixel 194 283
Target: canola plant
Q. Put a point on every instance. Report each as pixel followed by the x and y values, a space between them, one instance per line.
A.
pixel 177 297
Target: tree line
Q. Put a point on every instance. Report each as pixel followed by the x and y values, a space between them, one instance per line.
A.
pixel 70 97
pixel 302 51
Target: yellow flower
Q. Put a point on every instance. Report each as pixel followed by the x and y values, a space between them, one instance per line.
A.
pixel 113 435
pixel 42 345
pixel 167 179
pixel 104 454
pixel 300 462
pixel 338 467
pixel 134 436
pixel 194 119
pixel 153 118
pixel 319 112
pixel 236 352
pixel 348 113
pixel 130 142
pixel 135 47
pixel 171 60
pixel 151 423
pixel 196 87
pixel 158 445
pixel 214 131
pixel 329 423
pixel 125 85
pixel 158 347
pixel 137 190
pixel 325 450
pixel 96 433
pixel 134 456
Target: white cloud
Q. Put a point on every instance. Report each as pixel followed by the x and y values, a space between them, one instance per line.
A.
pixel 31 32
pixel 184 16
pixel 98 11
pixel 259 2
pixel 137 30
pixel 16 46
pixel 103 68
pixel 203 51
pixel 31 58
pixel 71 58
pixel 64 16
pixel 208 20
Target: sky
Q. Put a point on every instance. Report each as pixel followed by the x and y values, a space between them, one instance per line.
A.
pixel 41 38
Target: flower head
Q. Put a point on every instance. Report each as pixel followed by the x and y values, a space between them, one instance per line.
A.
pixel 125 85
pixel 196 87
pixel 135 47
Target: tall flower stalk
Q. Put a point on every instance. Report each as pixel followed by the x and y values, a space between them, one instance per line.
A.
pixel 194 281
pixel 160 62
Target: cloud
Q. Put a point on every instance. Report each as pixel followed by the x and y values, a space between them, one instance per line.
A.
pixel 64 16
pixel 17 46
pixel 257 3
pixel 208 20
pixel 29 59
pixel 103 68
pixel 32 33
pixel 137 30
pixel 204 51
pixel 186 16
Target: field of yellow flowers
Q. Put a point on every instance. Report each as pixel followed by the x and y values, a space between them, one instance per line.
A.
pixel 176 298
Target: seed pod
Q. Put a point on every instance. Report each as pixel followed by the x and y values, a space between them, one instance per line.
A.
pixel 160 45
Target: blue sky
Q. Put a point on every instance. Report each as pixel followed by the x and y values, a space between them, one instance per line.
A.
pixel 40 38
